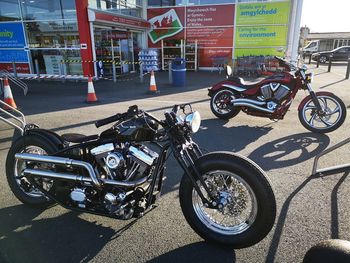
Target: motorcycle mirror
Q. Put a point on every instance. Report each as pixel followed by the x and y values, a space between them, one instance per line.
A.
pixel 229 71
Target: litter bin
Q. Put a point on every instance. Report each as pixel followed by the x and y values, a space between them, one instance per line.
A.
pixel 178 69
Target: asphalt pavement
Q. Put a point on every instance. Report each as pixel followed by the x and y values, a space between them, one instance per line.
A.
pixel 309 208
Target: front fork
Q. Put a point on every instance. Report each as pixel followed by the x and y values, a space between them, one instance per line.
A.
pixel 312 94
pixel 186 158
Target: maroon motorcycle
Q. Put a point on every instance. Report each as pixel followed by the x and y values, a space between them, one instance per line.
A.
pixel 271 97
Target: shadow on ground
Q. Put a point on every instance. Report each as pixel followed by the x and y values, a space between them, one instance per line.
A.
pixel 276 238
pixel 65 238
pixel 290 150
pixel 234 138
pixel 198 252
pixel 50 96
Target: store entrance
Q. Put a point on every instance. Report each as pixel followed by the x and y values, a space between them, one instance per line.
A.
pixel 114 45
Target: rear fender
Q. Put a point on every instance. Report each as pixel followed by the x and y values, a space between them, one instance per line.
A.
pixel 46 135
pixel 306 99
pixel 226 84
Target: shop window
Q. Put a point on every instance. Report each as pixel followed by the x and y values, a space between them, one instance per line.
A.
pixel 206 2
pixel 9 10
pixel 54 34
pixel 130 8
pixel 163 2
pixel 48 9
pixel 50 61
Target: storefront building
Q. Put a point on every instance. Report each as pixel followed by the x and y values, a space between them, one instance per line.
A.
pixel 66 36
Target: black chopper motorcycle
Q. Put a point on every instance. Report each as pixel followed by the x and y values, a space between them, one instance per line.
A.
pixel 226 198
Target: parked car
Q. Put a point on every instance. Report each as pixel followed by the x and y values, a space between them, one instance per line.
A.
pixel 339 54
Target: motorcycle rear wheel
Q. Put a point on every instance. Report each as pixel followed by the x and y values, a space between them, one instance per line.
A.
pixel 21 188
pixel 220 104
pixel 251 208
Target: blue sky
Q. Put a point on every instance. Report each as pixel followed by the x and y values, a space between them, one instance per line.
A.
pixel 326 15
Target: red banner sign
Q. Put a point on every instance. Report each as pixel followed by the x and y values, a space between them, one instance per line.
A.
pixel 203 16
pixel 121 20
pixel 214 57
pixel 210 37
pixel 20 67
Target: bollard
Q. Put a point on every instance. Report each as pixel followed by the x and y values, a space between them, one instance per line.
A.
pixel 310 59
pixel 61 72
pixel 37 69
pixel 141 72
pixel 330 63
pixel 318 62
pixel 14 69
pixel 114 72
pixel 348 69
pixel 170 73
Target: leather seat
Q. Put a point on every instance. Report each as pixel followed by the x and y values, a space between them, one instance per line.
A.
pixel 78 138
pixel 241 82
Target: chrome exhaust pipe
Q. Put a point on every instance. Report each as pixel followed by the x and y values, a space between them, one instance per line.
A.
pixel 82 179
pixel 251 104
pixel 62 161
pixel 235 102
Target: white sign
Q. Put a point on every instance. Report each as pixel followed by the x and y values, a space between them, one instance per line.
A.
pixel 52 64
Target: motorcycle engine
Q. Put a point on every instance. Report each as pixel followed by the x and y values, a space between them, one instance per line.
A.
pixel 274 91
pixel 125 163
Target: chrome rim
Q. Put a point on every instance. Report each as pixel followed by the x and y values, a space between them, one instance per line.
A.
pixel 330 107
pixel 222 102
pixel 21 165
pixel 323 59
pixel 240 209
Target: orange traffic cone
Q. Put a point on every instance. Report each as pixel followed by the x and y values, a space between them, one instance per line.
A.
pixel 152 85
pixel 91 96
pixel 8 98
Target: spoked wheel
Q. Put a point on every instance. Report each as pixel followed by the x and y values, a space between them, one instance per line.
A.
pixel 221 105
pixel 331 117
pixel 240 209
pixel 22 188
pixel 246 206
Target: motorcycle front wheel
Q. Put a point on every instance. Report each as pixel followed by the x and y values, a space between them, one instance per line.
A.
pixel 250 206
pixel 221 106
pixel 334 114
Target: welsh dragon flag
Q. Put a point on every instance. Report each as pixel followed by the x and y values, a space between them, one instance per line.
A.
pixel 165 25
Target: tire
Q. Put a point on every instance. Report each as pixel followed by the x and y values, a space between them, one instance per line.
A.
pixel 249 173
pixel 30 142
pixel 323 59
pixel 310 125
pixel 231 111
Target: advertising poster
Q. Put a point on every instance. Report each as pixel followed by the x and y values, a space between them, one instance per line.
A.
pixel 11 35
pixel 210 37
pixel 244 52
pixel 165 23
pixel 263 13
pixel 261 36
pixel 262 29
pixel 209 16
pixel 211 26
pixel 11 38
pixel 209 57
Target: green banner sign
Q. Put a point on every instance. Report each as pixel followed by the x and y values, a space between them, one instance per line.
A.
pixel 263 13
pixel 244 52
pixel 261 36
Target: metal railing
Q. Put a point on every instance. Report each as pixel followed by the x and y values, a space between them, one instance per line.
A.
pixel 16 81
pixel 20 119
pixel 332 169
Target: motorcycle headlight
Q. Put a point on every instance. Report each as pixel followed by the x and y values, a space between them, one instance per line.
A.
pixel 193 120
